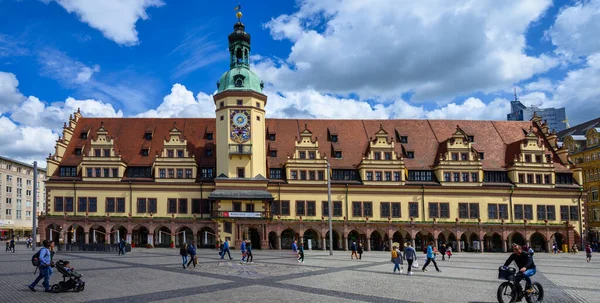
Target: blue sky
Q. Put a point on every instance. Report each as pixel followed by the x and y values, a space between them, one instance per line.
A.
pixel 319 59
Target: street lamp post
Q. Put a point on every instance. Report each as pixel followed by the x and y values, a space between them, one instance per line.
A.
pixel 34 223
pixel 330 209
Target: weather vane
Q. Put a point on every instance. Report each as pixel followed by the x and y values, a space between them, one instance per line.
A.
pixel 239 13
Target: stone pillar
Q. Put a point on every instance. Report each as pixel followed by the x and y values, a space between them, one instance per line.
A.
pixel 151 239
pixel 368 244
pixel 87 238
pixel 413 243
pixel 345 243
pixel 324 244
pixel 528 244
pixel 482 246
pixel 278 242
pixel 172 238
pixel 549 246
pixel 458 248
pixel 504 246
pixel 301 241
pixel 392 241
pixel 128 238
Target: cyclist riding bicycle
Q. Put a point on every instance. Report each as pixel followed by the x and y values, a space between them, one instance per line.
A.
pixel 525 264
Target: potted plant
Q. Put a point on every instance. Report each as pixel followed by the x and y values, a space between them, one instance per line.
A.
pixel 149 245
pixel 132 244
pixel 172 245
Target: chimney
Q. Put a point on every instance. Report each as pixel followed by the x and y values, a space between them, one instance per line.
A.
pixel 563 155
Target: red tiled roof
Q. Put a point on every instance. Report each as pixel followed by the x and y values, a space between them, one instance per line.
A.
pixel 495 138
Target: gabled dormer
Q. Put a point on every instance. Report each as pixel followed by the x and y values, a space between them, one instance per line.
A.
pixel 458 162
pixel 306 164
pixel 532 165
pixel 592 137
pixel 175 163
pixel 381 165
pixel 102 161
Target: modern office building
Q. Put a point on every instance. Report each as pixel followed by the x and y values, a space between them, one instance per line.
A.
pixel 477 185
pixel 556 118
pixel 583 143
pixel 16 197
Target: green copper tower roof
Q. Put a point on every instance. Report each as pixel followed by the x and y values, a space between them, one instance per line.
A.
pixel 239 77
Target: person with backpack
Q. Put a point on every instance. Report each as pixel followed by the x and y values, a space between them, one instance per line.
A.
pixel 41 259
pixel 431 257
pixel 122 247
pixel 184 254
pixel 249 257
pixel 191 249
pixel 226 250
pixel 396 259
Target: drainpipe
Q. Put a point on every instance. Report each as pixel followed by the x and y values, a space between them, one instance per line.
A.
pixel 423 200
pixel 347 214
pixel 74 199
pixel 580 218
pixel 130 200
pixel 512 189
pixel 201 193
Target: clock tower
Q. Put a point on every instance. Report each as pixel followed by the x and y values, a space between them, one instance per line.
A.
pixel 240 113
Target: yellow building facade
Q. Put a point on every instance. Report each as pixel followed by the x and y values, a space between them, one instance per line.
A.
pixel 475 185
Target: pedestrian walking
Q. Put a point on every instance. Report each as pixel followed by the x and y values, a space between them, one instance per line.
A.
pixel 191 249
pixel 43 267
pixel 12 245
pixel 360 250
pixel 396 259
pixel 243 249
pixel 295 247
pixel 301 253
pixel 122 247
pixel 183 251
pixel 588 253
pixel 443 251
pixel 249 257
pixel 353 249
pixel 410 256
pixel 449 252
pixel 430 258
pixel 226 250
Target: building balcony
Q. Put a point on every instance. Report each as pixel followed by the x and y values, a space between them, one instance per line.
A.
pixel 241 214
pixel 240 149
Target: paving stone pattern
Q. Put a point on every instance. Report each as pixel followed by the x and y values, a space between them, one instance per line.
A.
pixel 156 275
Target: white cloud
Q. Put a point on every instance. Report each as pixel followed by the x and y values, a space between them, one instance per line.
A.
pixel 59 66
pixel 575 32
pixel 25 143
pixel 116 19
pixel 381 49
pixel 543 84
pixel 181 103
pixel 9 94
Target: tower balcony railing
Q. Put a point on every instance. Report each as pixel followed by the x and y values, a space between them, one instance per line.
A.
pixel 240 149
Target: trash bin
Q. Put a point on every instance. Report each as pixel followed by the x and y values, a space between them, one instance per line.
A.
pixel 565 248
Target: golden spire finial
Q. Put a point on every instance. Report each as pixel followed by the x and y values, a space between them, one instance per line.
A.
pixel 239 15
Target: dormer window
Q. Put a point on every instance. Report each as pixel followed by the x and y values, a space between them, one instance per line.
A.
pixel 145 152
pixel 334 138
pixel 238 80
pixel 338 154
pixel 471 138
pixel 302 155
pixel 97 152
pixel 148 136
pixel 272 137
pixel 78 151
pixel 311 155
pixel 209 136
pixel 481 156
pixel 403 139
pixel 83 135
pixel 410 155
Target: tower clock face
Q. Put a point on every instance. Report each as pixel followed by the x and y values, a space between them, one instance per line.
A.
pixel 240 126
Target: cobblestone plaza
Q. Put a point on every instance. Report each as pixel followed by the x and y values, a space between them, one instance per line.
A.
pixel 155 275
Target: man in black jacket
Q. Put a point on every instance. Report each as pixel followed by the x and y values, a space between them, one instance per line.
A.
pixel 525 264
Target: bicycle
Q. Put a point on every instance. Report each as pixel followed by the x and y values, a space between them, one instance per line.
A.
pixel 512 291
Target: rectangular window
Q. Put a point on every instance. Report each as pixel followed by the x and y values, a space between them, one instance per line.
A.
pixel 310 208
pixel 294 175
pixel 474 210
pixel 300 208
pixel 68 204
pixel 321 175
pixel 413 209
pixel 180 173
pixel 538 179
pixel 396 176
pixel 551 213
pixel 454 156
pixel 302 154
pixel 384 209
pixel 82 205
pixel 574 214
pixel 302 175
pixel 249 207
pixel 237 206
pixel 275 173
pixel 120 205
pixel 115 172
pixel 546 179
pixel 445 210
pixel 464 157
pixel 98 173
pixel 206 173
pixel 141 205
pixel 311 175
pixel 196 206
pixel 455 177
pixel 356 209
pixel 369 176
pixel 529 178
pixel 188 173
pixel 106 172
pixel 337 208
pixel 368 209
pixel 152 205
pixel 171 173
pixel 521 178
pixel 106 153
pixel 424 175
pixel 492 211
pixel 465 177
pixel 396 212
pixel 463 210
pixel 285 208
pixel 410 155
pixel 528 211
pixel 518 212
pixel 97 152
pixel 312 155
pixel 89 172
pixel 503 211
pixel 377 155
pixel 541 212
pixel 183 206
pixel 378 176
pixel 227 227
pixel 170 153
pixel 433 210
pixel 180 153
pixel 388 176
pixel 58 204
pixel 447 177
pixel 172 206
pixel 241 172
pixel 474 177
pixel 110 205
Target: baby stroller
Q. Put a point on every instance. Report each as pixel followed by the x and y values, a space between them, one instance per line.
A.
pixel 71 280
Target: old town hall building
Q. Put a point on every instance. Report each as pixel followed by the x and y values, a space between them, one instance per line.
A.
pixel 477 185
